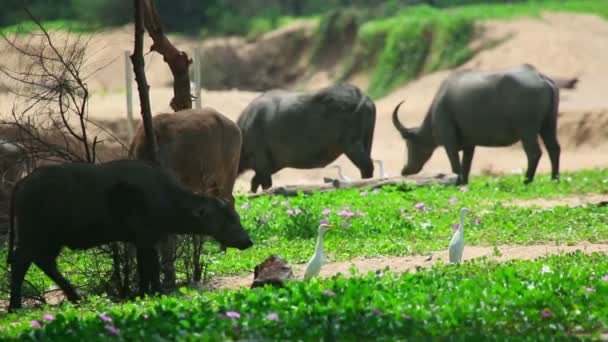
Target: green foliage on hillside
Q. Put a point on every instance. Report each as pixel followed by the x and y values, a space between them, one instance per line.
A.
pixel 423 39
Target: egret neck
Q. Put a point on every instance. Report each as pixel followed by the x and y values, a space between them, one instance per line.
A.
pixel 461 225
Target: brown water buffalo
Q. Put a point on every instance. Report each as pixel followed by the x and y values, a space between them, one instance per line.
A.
pixel 81 205
pixel 201 148
pixel 306 130
pixel 481 108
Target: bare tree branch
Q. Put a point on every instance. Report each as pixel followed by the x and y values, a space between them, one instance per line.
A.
pixel 178 61
pixel 142 84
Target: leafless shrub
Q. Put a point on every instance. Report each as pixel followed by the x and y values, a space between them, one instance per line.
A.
pixel 50 124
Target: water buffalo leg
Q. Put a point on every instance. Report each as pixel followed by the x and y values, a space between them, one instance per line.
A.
pixel 452 153
pixel 467 160
pixel 261 178
pixel 533 152
pixel 450 142
pixel 167 246
pixel 197 248
pixel 19 265
pixel 49 267
pixel 549 137
pixel 154 270
pixel 356 154
pixel 148 268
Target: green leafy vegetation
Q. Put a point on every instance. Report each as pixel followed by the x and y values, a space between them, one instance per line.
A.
pixel 392 221
pixel 550 297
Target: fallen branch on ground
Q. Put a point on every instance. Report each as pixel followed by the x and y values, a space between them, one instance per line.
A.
pixel 293 190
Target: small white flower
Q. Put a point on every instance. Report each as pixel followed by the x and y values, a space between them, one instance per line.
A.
pixel 546 269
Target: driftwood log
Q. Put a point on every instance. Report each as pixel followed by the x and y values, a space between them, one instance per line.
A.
pixel 293 190
pixel 565 83
pixel 273 271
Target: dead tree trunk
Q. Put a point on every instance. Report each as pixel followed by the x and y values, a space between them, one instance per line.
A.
pixel 142 84
pixel 178 61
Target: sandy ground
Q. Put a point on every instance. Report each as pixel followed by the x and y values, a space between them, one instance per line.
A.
pixel 571 201
pixel 553 44
pixel 410 263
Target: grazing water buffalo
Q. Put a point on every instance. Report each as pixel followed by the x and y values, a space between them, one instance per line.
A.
pixel 474 108
pixel 86 205
pixel 289 129
pixel 201 148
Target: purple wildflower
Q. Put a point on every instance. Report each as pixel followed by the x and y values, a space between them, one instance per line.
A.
pixel 546 313
pixel 453 199
pixel 410 218
pixel 477 221
pixel 233 314
pixel 112 329
pixel 328 293
pixel 420 206
pixel 273 316
pixel 363 193
pixel 105 317
pixel 222 315
pixel 245 205
pixel 378 312
pixel 345 213
pixel 455 226
pixel 589 289
pixel 325 212
pixel 48 317
pixel 145 316
pixel 35 324
pixel 606 278
pixel 297 211
pixel 323 221
pixel 289 212
pixel 285 203
pixel 464 189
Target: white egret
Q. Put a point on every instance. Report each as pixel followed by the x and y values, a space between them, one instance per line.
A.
pixel 343 178
pixel 457 242
pixel 380 168
pixel 314 265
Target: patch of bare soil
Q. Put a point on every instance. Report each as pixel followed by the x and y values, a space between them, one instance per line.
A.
pixel 411 263
pixel 554 44
pixel 571 201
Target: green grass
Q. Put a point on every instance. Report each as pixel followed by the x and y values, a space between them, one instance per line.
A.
pixel 422 39
pixel 548 298
pixel 28 27
pixel 385 223
pixel 392 226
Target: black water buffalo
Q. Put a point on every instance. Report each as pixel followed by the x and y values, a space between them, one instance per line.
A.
pixel 475 108
pixel 306 130
pixel 84 205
